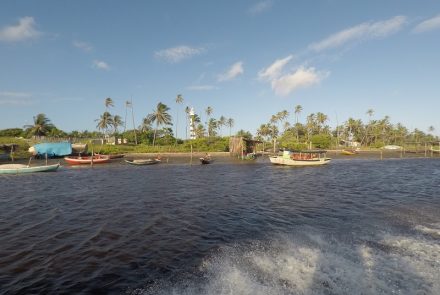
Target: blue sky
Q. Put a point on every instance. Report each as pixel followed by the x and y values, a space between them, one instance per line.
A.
pixel 245 59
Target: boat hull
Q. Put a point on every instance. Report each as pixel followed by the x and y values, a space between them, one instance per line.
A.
pixel 86 160
pixel 20 169
pixel 205 161
pixel 348 153
pixel 290 162
pixel 143 162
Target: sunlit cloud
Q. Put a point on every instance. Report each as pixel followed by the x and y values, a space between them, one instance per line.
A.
pixel 301 78
pixel 101 65
pixel 24 30
pixel 234 71
pixel 428 25
pixel 274 70
pixel 87 47
pixel 179 53
pixel 260 7
pixel 364 31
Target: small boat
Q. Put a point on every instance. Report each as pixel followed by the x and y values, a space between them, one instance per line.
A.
pixel 21 168
pixel 348 152
pixel 143 161
pixel 111 156
pixel 392 147
pixel 206 160
pixel 81 160
pixel 301 158
pixel 434 150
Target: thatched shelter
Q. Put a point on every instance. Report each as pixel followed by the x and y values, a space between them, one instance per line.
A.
pixel 240 146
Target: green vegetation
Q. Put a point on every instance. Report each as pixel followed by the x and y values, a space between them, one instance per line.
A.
pixel 280 131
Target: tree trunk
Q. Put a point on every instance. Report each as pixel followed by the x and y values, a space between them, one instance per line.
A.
pixel 154 137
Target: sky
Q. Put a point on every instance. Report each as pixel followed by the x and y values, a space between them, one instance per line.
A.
pixel 246 59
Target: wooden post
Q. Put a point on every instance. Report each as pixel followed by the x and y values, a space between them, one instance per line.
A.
pixel 46 159
pixel 91 159
pixel 11 154
pixel 381 154
pixel 425 150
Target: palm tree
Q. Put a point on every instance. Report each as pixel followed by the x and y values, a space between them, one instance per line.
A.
pixel 199 130
pixel 298 109
pixel 179 100
pixel 274 129
pixel 221 122
pixel 104 122
pixel 213 125
pixel 108 103
pixel 117 121
pixel 370 113
pixel 41 127
pixel 208 112
pixel 146 125
pixel 320 119
pixel 230 124
pixel 160 116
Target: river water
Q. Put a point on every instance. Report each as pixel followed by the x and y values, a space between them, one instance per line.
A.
pixel 351 227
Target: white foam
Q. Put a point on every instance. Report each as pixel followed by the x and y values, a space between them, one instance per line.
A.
pixel 320 265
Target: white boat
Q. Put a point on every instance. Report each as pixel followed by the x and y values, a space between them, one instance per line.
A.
pixel 301 158
pixel 21 168
pixel 392 147
pixel 143 161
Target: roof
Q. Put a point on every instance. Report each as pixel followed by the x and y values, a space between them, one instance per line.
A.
pixel 309 151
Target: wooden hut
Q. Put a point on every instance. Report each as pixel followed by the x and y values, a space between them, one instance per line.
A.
pixel 241 147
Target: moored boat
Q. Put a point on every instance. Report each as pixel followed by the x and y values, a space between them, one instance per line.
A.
pixel 21 168
pixel 348 152
pixel 206 160
pixel 143 161
pixel 301 158
pixel 84 160
pixel 111 156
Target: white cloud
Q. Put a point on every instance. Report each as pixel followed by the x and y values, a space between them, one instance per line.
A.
pixel 179 53
pixel 301 78
pixel 428 25
pixel 102 65
pixel 260 7
pixel 25 29
pixel 234 71
pixel 15 98
pixel 201 87
pixel 364 31
pixel 274 70
pixel 83 45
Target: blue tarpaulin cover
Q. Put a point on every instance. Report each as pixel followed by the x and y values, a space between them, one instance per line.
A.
pixel 53 149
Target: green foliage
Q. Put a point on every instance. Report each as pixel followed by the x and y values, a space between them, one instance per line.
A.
pixel 12 132
pixel 21 152
pixel 322 141
pixel 245 134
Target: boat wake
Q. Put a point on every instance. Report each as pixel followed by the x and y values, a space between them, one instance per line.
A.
pixel 316 263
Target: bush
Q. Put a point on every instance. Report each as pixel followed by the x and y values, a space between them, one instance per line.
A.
pixel 322 141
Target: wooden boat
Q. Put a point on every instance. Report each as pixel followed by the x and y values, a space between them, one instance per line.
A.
pixel 434 150
pixel 348 152
pixel 143 161
pixel 84 160
pixel 21 168
pixel 111 156
pixel 301 158
pixel 206 160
